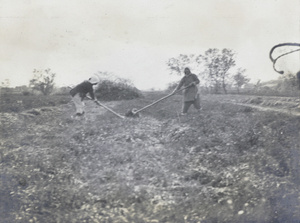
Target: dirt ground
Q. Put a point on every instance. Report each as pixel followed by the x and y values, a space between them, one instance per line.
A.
pixel 286 105
pixel 235 161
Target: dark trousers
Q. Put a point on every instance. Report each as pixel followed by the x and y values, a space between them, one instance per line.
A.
pixel 187 104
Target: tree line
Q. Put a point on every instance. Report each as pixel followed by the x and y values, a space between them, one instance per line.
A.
pixel 215 66
pixel 216 69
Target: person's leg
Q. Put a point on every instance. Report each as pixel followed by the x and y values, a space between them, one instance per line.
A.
pixel 186 106
pixel 78 104
pixel 197 103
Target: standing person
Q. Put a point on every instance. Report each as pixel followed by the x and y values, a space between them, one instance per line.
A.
pixel 80 91
pixel 190 94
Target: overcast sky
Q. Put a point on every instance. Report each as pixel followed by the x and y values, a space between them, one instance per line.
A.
pixel 134 38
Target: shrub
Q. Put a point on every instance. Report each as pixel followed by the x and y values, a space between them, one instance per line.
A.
pixel 119 89
pixel 26 93
pixel 43 81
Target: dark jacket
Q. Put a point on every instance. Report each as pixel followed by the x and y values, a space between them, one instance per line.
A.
pixel 82 89
pixel 190 93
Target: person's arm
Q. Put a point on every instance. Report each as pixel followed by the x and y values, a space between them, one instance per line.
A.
pixel 195 80
pixel 92 93
pixel 178 86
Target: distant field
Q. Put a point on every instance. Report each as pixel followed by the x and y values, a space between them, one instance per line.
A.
pixel 20 102
pixel 236 161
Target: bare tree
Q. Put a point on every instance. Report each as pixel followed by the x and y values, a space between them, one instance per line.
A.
pixel 178 64
pixel 218 64
pixel 5 83
pixel 240 79
pixel 43 81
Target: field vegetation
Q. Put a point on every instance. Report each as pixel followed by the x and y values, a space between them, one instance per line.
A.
pixel 233 162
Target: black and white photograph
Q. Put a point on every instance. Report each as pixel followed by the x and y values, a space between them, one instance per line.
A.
pixel 150 111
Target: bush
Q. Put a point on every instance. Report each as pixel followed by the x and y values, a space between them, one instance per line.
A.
pixel 26 93
pixel 109 90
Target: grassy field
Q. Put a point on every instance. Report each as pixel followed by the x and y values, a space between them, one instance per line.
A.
pixel 19 102
pixel 229 163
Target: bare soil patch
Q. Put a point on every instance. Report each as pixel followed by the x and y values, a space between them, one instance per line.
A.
pixel 229 163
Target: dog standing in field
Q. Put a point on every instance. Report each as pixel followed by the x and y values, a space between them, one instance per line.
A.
pixel 80 91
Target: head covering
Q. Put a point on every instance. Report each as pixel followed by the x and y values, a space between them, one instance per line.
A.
pixel 187 70
pixel 93 80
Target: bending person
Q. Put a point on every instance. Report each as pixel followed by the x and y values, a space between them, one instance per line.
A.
pixel 80 91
